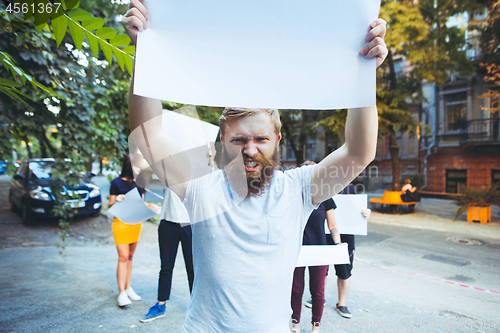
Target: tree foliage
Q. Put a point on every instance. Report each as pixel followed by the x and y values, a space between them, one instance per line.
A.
pixel 419 34
pixel 78 112
pixel 490 31
pixel 297 127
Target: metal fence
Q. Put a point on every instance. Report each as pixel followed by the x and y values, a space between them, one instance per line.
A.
pixel 482 131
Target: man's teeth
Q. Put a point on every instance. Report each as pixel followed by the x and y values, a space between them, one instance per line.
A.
pixel 251 164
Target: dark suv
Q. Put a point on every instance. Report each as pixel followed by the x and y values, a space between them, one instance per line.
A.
pixel 30 192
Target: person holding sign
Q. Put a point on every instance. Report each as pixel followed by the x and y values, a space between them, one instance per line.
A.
pixel 314 234
pixel 126 235
pixel 343 271
pixel 247 218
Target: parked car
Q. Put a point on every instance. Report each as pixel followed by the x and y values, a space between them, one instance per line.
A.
pixel 30 192
pixel 3 167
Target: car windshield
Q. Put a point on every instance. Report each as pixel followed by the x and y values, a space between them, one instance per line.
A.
pixel 41 170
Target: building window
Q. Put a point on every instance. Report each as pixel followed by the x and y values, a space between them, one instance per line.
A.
pixel 311 149
pixel 455 106
pixel 456 181
pixel 398 67
pixel 495 178
pixel 411 145
pixel 331 145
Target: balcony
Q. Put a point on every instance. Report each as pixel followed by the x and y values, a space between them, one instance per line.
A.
pixel 481 131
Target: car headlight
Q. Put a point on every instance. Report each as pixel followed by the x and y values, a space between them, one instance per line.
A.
pixel 95 192
pixel 40 194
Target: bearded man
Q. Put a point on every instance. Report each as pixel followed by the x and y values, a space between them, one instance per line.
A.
pixel 247 217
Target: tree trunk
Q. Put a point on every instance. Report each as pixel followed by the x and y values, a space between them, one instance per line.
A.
pixel 299 153
pixel 28 148
pixel 393 146
pixel 392 72
pixel 51 148
pixel 43 146
pixel 88 163
pixel 396 164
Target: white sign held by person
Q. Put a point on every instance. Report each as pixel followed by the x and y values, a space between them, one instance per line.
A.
pixel 320 255
pixel 348 215
pixel 291 54
pixel 132 209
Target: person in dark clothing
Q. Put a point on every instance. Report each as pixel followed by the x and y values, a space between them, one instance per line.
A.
pixel 170 233
pixel 314 234
pixel 343 271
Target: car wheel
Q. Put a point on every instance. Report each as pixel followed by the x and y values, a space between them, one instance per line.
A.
pixel 13 207
pixel 24 215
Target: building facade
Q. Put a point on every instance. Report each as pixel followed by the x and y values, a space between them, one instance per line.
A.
pixel 460 143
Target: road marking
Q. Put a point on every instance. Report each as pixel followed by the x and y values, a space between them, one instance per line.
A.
pixel 490 291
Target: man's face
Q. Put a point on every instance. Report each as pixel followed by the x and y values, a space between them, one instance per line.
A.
pixel 255 137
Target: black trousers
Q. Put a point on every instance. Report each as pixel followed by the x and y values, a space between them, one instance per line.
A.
pixel 169 236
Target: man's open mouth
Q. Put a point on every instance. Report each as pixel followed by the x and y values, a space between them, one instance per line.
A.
pixel 251 165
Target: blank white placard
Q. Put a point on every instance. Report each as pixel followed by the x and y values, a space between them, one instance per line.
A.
pixel 291 54
pixel 132 209
pixel 348 215
pixel 319 255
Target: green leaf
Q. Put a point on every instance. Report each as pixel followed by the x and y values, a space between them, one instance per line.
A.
pixel 59 25
pixel 29 12
pixel 41 16
pixel 13 94
pixel 120 40
pixel 10 83
pixel 93 23
pixel 129 63
pixel 70 4
pixel 76 33
pixel 33 83
pixel 79 15
pixel 94 46
pixel 119 58
pixel 106 33
pixel 106 49
pixel 129 49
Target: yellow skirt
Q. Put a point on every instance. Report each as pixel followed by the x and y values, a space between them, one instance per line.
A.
pixel 126 233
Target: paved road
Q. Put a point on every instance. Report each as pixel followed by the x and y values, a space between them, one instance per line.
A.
pixel 397 282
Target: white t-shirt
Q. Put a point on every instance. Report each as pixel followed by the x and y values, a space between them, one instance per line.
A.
pixel 245 254
pixel 172 208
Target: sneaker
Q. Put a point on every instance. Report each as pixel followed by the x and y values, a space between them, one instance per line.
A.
pixel 309 303
pixel 342 310
pixel 155 312
pixel 132 295
pixel 123 299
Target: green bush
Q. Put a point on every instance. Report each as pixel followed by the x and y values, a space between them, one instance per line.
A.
pixel 477 198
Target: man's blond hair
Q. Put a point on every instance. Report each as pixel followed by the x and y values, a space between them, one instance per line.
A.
pixel 230 114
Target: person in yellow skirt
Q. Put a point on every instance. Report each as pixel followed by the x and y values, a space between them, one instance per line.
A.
pixel 126 235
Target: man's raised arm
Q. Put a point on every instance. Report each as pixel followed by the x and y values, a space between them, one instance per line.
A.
pixel 339 168
pixel 158 148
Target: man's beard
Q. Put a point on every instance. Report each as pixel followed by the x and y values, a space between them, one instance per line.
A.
pixel 254 183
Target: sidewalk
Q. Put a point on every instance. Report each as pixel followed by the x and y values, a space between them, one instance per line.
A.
pixel 437 214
